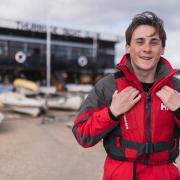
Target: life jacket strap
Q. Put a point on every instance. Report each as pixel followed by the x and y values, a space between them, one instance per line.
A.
pixel 147 148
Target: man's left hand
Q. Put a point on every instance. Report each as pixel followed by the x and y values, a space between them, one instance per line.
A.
pixel 170 98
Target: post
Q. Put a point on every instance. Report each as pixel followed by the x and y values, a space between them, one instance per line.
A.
pixel 48 56
pixel 95 44
pixel 48 71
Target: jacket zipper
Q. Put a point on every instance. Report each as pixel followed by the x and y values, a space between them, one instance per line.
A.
pixel 148 125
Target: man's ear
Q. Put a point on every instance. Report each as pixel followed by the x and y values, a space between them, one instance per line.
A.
pixel 127 49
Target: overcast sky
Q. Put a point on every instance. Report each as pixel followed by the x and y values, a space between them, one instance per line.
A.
pixel 108 16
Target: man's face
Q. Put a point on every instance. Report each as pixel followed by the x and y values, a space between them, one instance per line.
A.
pixel 145 48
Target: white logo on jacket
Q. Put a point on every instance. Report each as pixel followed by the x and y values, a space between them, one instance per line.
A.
pixel 125 122
pixel 163 107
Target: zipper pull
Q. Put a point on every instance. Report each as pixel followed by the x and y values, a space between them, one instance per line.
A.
pixel 148 100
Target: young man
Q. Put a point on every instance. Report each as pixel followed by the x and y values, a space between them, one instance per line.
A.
pixel 136 110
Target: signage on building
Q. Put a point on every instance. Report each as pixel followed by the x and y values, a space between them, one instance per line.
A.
pixel 42 28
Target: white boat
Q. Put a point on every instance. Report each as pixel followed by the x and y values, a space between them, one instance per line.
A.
pixel 1 117
pixel 79 88
pixel 33 111
pixel 25 91
pixel 72 102
pixel 20 103
pixel 3 96
pixel 47 90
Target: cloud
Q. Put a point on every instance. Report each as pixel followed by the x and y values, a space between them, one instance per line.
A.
pixel 109 13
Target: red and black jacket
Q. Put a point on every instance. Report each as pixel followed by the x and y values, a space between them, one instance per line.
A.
pixel 147 133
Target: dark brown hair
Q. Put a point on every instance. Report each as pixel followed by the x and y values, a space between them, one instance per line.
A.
pixel 146 18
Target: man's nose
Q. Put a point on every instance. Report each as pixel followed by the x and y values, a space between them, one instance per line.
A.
pixel 147 48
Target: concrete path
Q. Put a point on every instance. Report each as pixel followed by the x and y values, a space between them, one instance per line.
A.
pixel 30 150
pixel 33 151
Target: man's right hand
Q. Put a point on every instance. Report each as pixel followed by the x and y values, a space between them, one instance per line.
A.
pixel 124 101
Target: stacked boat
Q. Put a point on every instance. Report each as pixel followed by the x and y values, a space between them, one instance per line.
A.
pixel 19 103
pixel 31 99
pixel 68 101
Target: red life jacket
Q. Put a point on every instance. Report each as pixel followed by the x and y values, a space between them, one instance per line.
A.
pixel 146 131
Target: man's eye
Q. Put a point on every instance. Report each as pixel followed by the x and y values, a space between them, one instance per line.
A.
pixel 154 43
pixel 139 42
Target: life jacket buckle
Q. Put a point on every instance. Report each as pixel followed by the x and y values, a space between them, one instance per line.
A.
pixel 149 148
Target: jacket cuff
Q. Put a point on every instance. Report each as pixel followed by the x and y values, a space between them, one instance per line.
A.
pixel 177 113
pixel 112 116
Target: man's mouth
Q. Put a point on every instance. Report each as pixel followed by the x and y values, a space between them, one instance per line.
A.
pixel 146 58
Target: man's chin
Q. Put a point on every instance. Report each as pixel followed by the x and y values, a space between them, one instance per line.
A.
pixel 146 68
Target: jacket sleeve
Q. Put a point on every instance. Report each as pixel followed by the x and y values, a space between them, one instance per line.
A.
pixel 94 122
